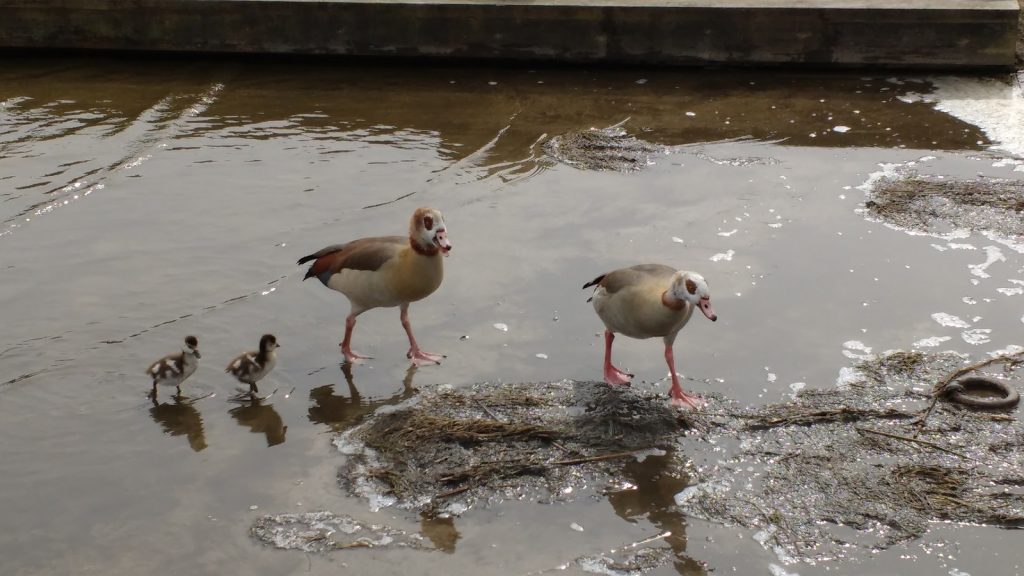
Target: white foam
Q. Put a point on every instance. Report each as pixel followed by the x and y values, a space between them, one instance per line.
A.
pixel 949 320
pixel 847 376
pixel 777 570
pixel 727 256
pixel 931 342
pixel 1009 350
pixel 992 255
pixel 796 387
pixel 976 336
pixel 888 170
pixel 1011 243
pixel 856 350
pixel 996 107
pixel 706 488
pixel 841 129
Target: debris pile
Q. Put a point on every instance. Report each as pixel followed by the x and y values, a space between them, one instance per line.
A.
pixel 875 454
pixel 502 441
pixel 934 205
pixel 603 149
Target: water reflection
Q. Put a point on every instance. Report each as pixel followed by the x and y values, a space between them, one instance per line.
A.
pixel 654 499
pixel 261 419
pixel 341 412
pixel 441 532
pixel 180 419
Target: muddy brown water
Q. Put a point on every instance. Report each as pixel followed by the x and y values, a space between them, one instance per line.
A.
pixel 143 200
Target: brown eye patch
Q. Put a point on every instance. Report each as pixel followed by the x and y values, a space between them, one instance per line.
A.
pixel 691 286
pixel 428 222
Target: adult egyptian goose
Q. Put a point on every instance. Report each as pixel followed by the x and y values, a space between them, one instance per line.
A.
pixel 646 301
pixel 384 272
pixel 250 367
pixel 173 369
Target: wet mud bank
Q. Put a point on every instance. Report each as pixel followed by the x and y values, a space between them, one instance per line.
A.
pixel 832 474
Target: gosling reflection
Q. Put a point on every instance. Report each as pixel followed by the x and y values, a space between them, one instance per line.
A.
pixel 341 412
pixel 654 499
pixel 441 532
pixel 260 418
pixel 180 418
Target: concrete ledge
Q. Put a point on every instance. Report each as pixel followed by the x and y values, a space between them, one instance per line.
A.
pixel 911 33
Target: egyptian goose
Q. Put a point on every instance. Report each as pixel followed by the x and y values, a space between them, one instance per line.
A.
pixel 646 301
pixel 173 369
pixel 384 272
pixel 250 367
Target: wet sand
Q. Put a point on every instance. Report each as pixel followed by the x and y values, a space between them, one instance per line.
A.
pixel 145 200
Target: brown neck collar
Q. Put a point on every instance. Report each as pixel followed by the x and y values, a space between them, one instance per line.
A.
pixel 670 302
pixel 422 250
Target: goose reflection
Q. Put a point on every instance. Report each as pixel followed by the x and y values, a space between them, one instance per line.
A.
pixel 441 532
pixel 654 499
pixel 341 412
pixel 260 418
pixel 180 418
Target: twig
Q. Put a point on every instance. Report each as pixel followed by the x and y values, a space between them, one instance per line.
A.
pixel 592 458
pixel 356 544
pixel 487 410
pixel 916 441
pixel 495 417
pixel 459 490
pixel 937 392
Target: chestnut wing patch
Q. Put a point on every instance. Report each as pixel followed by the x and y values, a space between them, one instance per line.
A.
pixel 363 254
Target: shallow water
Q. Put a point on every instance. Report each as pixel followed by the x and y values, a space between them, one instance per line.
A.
pixel 143 200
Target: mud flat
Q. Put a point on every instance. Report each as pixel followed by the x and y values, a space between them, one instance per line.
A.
pixel 919 33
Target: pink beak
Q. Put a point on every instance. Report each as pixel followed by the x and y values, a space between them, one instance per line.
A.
pixel 705 307
pixel 441 239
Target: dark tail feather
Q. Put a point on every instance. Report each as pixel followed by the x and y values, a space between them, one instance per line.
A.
pixel 317 255
pixel 303 260
pixel 594 282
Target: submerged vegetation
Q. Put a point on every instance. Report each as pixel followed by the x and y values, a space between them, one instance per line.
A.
pixel 602 149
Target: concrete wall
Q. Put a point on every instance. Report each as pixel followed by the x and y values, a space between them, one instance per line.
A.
pixel 917 33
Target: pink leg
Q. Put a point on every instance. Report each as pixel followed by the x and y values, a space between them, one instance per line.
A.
pixel 679 399
pixel 346 344
pixel 418 357
pixel 613 375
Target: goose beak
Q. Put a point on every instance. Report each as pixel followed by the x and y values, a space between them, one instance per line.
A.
pixel 705 307
pixel 197 354
pixel 441 241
